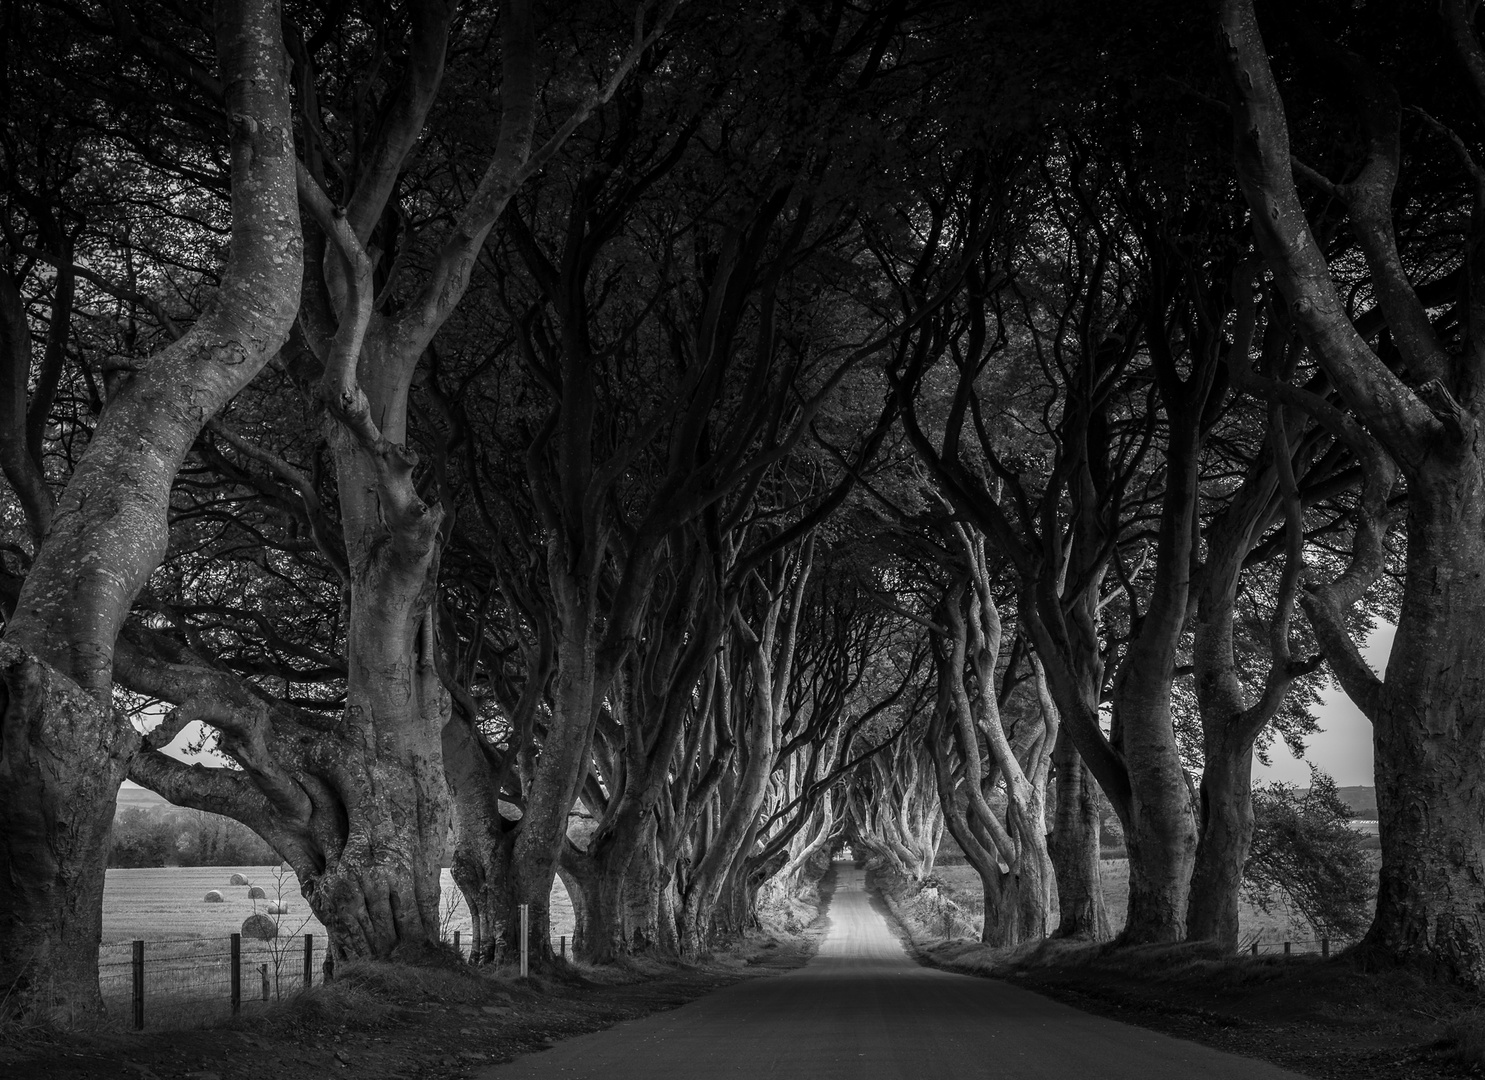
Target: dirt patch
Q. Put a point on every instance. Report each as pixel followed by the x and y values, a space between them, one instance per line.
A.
pixel 385 1020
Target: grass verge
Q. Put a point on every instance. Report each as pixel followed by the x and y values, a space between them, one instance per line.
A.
pixel 1321 1018
pixel 395 1020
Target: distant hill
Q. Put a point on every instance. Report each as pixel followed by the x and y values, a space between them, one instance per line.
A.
pixel 138 798
pixel 1361 800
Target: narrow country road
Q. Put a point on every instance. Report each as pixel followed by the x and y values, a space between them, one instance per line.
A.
pixel 863 1010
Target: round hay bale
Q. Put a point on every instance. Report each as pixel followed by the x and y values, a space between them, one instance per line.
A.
pixel 278 909
pixel 259 926
pixel 213 897
pixel 256 893
pixel 238 879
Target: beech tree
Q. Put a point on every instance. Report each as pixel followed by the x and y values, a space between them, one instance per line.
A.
pixel 1416 414
pixel 994 799
pixel 66 749
pixel 360 808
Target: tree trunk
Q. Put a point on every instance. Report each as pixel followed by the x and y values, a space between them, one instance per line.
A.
pixel 1222 851
pixel 728 847
pixel 1428 724
pixel 483 839
pixel 380 892
pixel 642 932
pixel 560 767
pixel 1015 908
pixel 64 757
pixel 1428 729
pixel 57 797
pixel 1160 836
pixel 482 876
pixel 1074 848
pixel 667 930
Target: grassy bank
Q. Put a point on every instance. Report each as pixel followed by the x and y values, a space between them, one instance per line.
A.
pixel 1329 1019
pixel 389 1020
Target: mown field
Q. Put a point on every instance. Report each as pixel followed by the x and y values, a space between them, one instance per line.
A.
pixel 1270 929
pixel 165 903
pixel 187 959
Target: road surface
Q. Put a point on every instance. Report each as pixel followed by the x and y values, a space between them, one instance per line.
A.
pixel 861 1009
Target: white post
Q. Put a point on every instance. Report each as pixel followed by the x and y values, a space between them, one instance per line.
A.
pixel 525 939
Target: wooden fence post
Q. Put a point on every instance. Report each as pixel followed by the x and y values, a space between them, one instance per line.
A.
pixel 329 967
pixel 236 975
pixel 263 971
pixel 139 986
pixel 1255 948
pixel 563 946
pixel 456 944
pixel 1286 949
pixel 525 943
pixel 309 960
pixel 1325 948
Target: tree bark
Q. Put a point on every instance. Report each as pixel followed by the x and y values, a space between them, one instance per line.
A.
pixel 57 799
pixel 1074 848
pixel 1427 729
pixel 1226 835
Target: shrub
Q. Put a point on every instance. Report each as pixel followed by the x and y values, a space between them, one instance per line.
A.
pixel 238 879
pixel 1305 850
pixel 261 927
pixel 213 897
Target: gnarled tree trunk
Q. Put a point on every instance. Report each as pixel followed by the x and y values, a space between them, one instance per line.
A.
pixel 1427 715
pixel 65 751
pixel 1074 847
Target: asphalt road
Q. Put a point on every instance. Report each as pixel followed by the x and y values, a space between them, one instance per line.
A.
pixel 861 1009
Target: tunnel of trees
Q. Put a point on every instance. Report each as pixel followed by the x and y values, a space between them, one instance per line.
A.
pixel 658 443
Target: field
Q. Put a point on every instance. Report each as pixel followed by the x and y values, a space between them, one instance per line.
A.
pixel 1269 929
pixel 186 950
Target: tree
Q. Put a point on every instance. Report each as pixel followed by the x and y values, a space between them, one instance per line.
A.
pixel 1413 402
pixel 1306 852
pixel 66 751
pixel 359 807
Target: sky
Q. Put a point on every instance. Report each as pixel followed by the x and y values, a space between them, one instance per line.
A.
pixel 1344 747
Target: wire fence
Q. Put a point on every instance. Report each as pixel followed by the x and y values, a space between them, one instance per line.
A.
pixel 194 982
pixel 1321 947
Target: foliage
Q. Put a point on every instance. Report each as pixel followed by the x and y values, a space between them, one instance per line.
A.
pixel 1306 853
pixel 184 838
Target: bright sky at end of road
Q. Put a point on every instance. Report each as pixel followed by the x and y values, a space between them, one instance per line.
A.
pixel 1343 747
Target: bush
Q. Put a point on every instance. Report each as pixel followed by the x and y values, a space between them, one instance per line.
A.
pixel 213 897
pixel 1305 851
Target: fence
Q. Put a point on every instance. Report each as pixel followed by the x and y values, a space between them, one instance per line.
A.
pixel 466 948
pixel 1298 947
pixel 190 982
